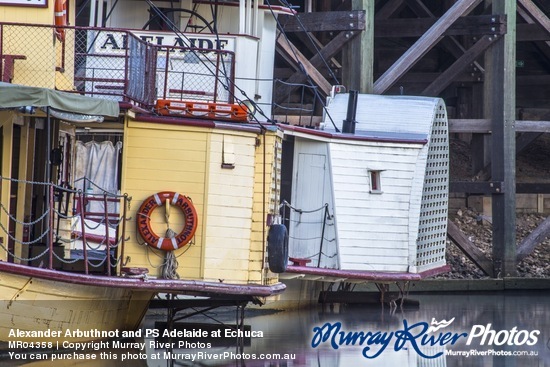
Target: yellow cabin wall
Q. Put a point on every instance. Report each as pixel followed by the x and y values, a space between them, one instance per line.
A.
pixel 164 158
pixel 229 241
pixel 230 201
pixel 266 187
pixel 39 45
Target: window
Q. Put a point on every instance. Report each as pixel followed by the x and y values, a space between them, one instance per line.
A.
pixel 375 184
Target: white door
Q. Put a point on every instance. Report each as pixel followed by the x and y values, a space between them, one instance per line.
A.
pixel 306 223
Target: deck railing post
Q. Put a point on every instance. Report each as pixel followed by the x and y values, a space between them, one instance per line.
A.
pixel 107 240
pixel 123 235
pixel 51 225
pixel 83 231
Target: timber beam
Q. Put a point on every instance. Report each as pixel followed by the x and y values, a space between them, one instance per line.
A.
pixel 292 53
pixel 328 21
pixel 527 246
pixel 447 77
pixel 469 249
pixel 474 25
pixel 425 43
pixel 483 126
pixel 491 187
pixel 312 65
pixel 477 187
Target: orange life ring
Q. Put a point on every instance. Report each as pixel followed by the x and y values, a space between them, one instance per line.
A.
pixel 144 220
pixel 60 18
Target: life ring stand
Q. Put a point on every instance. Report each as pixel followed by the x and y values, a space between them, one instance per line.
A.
pixel 144 220
pixel 60 19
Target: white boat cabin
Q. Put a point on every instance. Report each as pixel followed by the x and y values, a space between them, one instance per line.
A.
pixel 374 199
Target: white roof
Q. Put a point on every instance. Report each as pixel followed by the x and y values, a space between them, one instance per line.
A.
pixel 387 116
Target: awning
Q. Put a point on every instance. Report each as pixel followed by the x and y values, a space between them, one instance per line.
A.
pixel 15 96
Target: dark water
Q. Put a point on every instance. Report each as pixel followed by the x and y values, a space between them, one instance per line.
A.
pixel 519 324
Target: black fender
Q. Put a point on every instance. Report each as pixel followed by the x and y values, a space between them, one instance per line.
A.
pixel 277 248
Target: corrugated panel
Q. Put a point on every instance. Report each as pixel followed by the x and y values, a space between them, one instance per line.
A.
pixel 387 116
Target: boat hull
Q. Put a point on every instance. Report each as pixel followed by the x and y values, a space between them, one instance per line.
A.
pixel 56 311
pixel 81 307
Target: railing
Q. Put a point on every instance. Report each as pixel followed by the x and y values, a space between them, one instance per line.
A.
pixel 303 108
pixel 89 240
pixel 114 64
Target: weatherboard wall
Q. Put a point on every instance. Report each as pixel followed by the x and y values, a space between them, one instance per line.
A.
pixel 229 198
pixel 373 226
pixel 267 180
pixel 221 170
pixel 159 157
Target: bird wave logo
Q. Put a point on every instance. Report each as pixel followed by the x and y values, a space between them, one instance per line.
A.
pixel 435 325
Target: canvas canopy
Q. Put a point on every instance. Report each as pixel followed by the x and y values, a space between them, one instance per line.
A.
pixel 15 96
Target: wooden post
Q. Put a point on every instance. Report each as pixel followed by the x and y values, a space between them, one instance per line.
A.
pixel 500 97
pixel 360 75
pixel 7 147
pixel 22 188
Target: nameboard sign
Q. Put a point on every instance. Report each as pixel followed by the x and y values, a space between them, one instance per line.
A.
pixel 35 3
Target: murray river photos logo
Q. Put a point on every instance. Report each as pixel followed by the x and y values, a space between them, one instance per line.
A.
pixel 419 336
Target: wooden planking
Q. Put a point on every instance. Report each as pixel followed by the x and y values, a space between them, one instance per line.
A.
pixel 375 240
pixel 230 195
pixel 221 240
pixel 353 20
pixel 378 252
pixel 369 221
pixel 353 226
pixel 166 158
pixel 227 257
pixel 374 267
pixel 225 275
pixel 377 263
pixel 347 193
pixel 379 200
pixel 190 165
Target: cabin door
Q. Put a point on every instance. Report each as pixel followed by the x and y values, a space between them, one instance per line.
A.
pixel 306 225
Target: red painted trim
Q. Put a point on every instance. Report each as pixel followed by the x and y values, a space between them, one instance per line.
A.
pixel 168 120
pixel 435 271
pixel 342 136
pixel 180 286
pixel 207 123
pixel 365 275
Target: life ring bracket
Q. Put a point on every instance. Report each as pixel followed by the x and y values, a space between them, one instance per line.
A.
pixel 161 242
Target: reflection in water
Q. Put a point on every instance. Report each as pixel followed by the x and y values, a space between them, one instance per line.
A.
pixel 291 333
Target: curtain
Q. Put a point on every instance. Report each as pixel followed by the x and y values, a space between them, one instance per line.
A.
pixel 96 169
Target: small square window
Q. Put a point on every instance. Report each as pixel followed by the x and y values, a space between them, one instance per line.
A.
pixel 375 183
